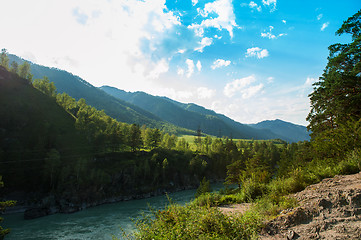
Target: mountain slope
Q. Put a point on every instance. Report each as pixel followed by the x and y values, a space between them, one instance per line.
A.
pixel 32 126
pixel 289 131
pixel 190 116
pixel 78 88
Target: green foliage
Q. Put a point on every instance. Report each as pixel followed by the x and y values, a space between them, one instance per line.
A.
pixel 336 97
pixel 3 206
pixel 14 68
pixel 45 86
pixel 25 71
pixel 204 187
pixel 4 59
pixel 195 222
pixel 135 138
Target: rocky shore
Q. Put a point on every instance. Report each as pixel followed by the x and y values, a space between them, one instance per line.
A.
pixel 51 204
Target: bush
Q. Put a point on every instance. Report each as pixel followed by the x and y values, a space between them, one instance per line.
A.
pixel 195 222
pixel 351 164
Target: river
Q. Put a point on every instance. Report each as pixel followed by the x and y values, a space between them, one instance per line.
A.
pixel 98 223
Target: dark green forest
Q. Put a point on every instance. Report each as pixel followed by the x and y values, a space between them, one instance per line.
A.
pixel 55 147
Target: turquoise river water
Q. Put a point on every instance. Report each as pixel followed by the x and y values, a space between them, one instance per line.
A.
pixel 98 223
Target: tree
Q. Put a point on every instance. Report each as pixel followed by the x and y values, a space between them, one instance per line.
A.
pixel 152 138
pixel 3 206
pixel 337 95
pixel 4 59
pixel 14 67
pixel 135 138
pixel 24 71
pixel 335 101
pixel 204 187
pixel 45 86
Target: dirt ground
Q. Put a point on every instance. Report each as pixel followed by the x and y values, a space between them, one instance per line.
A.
pixel 330 209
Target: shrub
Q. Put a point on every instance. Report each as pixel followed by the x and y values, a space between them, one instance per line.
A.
pixel 195 222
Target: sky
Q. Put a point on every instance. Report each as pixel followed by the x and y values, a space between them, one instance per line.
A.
pixel 250 60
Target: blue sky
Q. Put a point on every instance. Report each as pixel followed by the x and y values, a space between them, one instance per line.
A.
pixel 250 60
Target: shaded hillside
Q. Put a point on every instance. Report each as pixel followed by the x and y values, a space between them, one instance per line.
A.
pixel 190 116
pixel 79 88
pixel 32 127
pixel 289 131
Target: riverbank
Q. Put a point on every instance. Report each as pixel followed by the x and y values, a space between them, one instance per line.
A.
pixel 51 204
pixel 100 222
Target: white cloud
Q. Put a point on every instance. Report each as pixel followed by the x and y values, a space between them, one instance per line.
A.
pixel 243 86
pixel 225 19
pixel 160 67
pixel 270 35
pixel 220 63
pixel 180 71
pixel 257 52
pixel 194 2
pixel 324 26
pixel 319 17
pixel 190 65
pixel 98 27
pixel 284 21
pixel 251 91
pixel 205 93
pixel 255 6
pixel 199 66
pixel 309 82
pixel 270 3
pixel 204 43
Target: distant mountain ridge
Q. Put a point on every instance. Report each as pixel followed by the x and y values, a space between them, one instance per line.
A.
pixel 289 131
pixel 192 116
pixel 161 112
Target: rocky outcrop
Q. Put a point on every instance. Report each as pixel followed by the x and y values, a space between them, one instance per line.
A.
pixel 330 209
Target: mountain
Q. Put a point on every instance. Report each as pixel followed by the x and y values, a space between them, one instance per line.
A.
pixel 32 126
pixel 190 115
pixel 78 88
pixel 288 131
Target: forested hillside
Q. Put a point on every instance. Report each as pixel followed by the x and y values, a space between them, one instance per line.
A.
pixel 289 132
pixel 192 116
pixel 78 88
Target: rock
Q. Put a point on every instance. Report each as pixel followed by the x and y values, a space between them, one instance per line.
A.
pixel 36 213
pixel 328 210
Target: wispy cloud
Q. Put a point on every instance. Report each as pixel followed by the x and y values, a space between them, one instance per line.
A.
pixel 270 35
pixel 270 3
pixel 257 52
pixel 194 2
pixel 160 67
pixel 204 43
pixel 205 93
pixel 225 19
pixel 254 5
pixel 199 66
pixel 319 17
pixel 242 86
pixel 220 63
pixel 190 69
pixel 324 26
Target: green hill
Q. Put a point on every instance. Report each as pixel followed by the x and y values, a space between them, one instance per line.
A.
pixel 116 108
pixel 32 126
pixel 190 115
